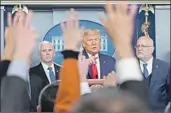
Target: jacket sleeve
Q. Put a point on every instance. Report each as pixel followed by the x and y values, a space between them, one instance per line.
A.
pixel 69 87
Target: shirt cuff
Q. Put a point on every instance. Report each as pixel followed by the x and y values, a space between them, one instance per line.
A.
pixel 18 68
pixel 128 69
pixel 85 88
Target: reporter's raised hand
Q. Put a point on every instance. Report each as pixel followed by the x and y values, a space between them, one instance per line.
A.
pixel 24 35
pixel 72 33
pixel 83 64
pixel 9 41
pixel 119 22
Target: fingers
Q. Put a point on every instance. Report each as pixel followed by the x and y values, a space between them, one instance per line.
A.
pixel 109 8
pixel 133 10
pixel 62 26
pixel 16 19
pixel 28 19
pixel 9 20
pixel 21 18
pixel 121 8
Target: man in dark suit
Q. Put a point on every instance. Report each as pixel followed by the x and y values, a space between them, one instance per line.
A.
pixel 156 74
pixel 44 73
pixel 46 68
pixel 101 64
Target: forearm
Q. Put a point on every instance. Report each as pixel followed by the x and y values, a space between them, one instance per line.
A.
pixel 69 87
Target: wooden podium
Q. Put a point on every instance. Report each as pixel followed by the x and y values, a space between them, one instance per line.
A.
pixel 95 84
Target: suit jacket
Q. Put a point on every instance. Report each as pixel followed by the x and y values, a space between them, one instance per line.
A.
pixel 36 84
pixel 38 70
pixel 38 80
pixel 14 95
pixel 158 84
pixel 107 64
pixel 4 67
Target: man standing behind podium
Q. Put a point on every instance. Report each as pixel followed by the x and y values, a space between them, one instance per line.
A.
pixel 100 64
pixel 156 74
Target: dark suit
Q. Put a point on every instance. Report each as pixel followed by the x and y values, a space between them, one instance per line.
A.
pixel 158 83
pixel 4 67
pixel 38 70
pixel 107 64
pixel 38 80
pixel 14 95
pixel 36 84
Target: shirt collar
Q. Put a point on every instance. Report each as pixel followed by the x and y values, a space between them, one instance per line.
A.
pixel 45 66
pixel 149 62
pixel 89 55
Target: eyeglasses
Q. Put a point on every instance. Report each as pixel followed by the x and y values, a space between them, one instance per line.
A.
pixel 142 46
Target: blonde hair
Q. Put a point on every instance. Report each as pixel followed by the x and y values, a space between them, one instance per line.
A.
pixel 89 32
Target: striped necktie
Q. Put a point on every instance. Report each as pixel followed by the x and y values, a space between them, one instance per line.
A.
pixel 145 71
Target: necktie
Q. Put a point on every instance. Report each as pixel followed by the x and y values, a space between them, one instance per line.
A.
pixel 145 71
pixel 51 74
pixel 94 71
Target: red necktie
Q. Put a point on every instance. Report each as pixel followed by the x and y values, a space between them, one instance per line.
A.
pixel 94 72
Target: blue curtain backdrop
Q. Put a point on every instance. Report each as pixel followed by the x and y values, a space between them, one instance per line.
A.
pixel 139 20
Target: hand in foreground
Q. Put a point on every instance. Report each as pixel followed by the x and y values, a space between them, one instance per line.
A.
pixel 92 60
pixel 9 41
pixel 24 35
pixel 110 79
pixel 72 33
pixel 119 23
pixel 83 68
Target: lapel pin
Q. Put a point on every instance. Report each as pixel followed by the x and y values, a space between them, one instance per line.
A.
pixel 157 66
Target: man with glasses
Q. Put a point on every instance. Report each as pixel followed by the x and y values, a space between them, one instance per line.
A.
pixel 156 74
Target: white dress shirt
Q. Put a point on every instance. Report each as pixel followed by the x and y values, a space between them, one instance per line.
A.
pixel 97 63
pixel 149 66
pixel 126 69
pixel 45 67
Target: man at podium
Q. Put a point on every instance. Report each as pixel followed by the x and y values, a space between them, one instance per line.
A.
pixel 100 64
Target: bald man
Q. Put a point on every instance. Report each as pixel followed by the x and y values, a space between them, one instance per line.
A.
pixel 156 74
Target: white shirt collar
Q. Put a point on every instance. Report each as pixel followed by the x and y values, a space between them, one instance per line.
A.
pixel 45 66
pixel 149 65
pixel 149 62
pixel 89 55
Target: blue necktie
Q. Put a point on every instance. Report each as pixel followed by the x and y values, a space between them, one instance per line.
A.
pixel 145 71
pixel 51 74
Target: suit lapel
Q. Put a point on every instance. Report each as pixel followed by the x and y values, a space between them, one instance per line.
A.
pixel 102 62
pixel 43 74
pixel 56 72
pixel 154 69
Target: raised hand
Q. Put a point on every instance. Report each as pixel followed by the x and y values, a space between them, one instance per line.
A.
pixel 119 22
pixel 83 64
pixel 24 36
pixel 72 33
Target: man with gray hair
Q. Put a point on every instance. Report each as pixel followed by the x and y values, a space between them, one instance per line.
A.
pixel 156 74
pixel 47 71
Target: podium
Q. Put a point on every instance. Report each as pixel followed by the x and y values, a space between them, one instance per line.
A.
pixel 95 84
